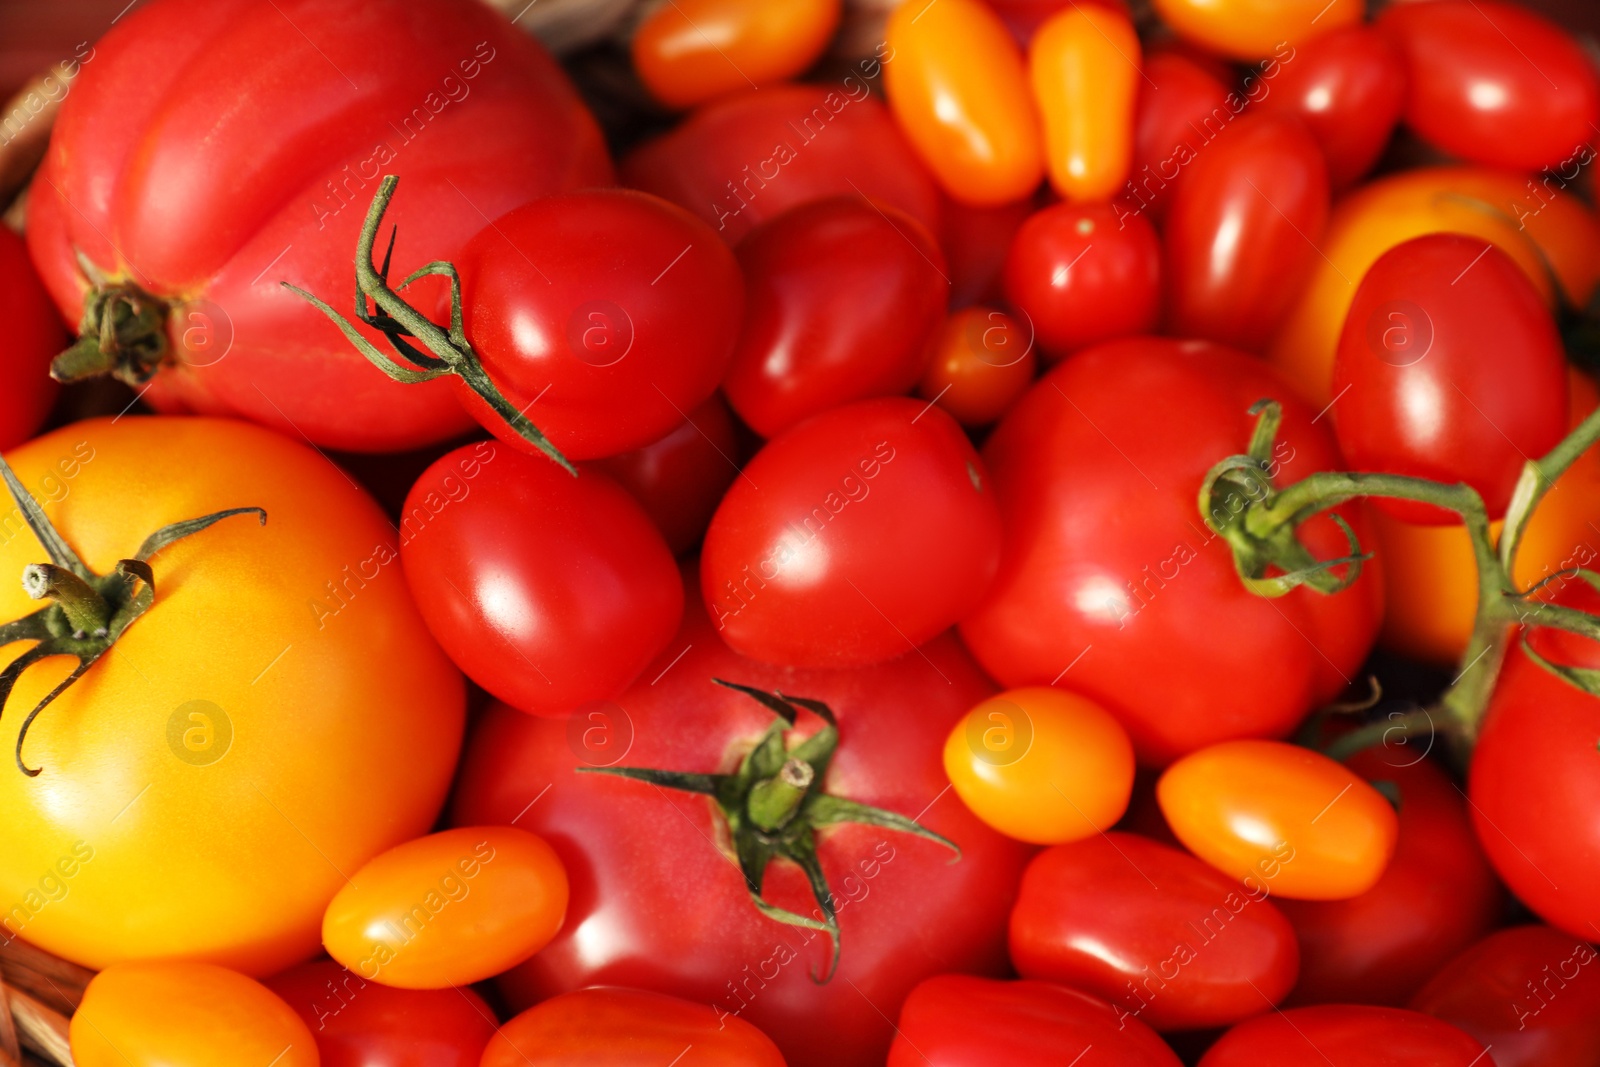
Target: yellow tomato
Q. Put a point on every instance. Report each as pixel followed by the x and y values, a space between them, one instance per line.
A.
pixel 690 51
pixel 956 84
pixel 170 1014
pixel 1041 765
pixel 1254 29
pixel 448 909
pixel 279 715
pixel 1280 818
pixel 1085 67
pixel 983 360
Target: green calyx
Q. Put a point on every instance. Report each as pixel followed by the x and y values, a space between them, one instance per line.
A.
pixel 87 612
pixel 774 805
pixel 123 333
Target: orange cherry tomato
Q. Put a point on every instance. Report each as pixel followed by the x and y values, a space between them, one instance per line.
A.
pixel 1279 817
pixel 448 909
pixel 1254 29
pixel 1084 64
pixel 690 51
pixel 1041 765
pixel 983 360
pixel 175 1014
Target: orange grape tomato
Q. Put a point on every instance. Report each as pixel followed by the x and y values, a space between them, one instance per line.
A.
pixel 1255 29
pixel 983 360
pixel 690 51
pixel 451 908
pixel 956 84
pixel 1280 818
pixel 1085 68
pixel 177 1014
pixel 1041 765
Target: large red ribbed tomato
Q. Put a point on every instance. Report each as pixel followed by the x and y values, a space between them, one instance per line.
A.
pixel 216 147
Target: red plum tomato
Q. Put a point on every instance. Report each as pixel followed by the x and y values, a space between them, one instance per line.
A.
pixel 1346 1035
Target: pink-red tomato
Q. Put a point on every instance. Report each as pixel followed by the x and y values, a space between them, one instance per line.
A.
pixel 1182 106
pixel 1346 1035
pixel 34 335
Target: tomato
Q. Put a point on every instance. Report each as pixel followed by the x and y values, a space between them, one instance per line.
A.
pixel 1347 86
pixel 34 336
pixel 958 88
pixel 1422 382
pixel 161 191
pixel 692 50
pixel 1250 29
pixel 680 479
pixel 1166 939
pixel 1345 1036
pixel 1107 569
pixel 983 360
pixel 754 155
pixel 1243 231
pixel 658 901
pixel 1495 83
pixel 357 1023
pixel 975 241
pixel 1081 274
pixel 1084 66
pixel 844 297
pixel 1436 896
pixel 277 716
pixel 152 1014
pixel 1041 765
pixel 609 1026
pixel 1182 106
pixel 956 1020
pixel 548 590
pixel 1530 993
pixel 821 554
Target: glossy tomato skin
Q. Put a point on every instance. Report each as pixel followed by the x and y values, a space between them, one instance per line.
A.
pixel 207 199
pixel 604 315
pixel 983 361
pixel 548 590
pixel 1164 938
pixel 694 50
pixel 1083 64
pixel 1432 392
pixel 957 1020
pixel 821 552
pixel 1495 83
pixel 34 335
pixel 1242 233
pixel 1530 993
pixel 1107 567
pixel 609 1026
pixel 1080 274
pixel 1182 106
pixel 843 297
pixel 752 156
pixel 1345 1035
pixel 657 904
pixel 357 1023
pixel 1251 29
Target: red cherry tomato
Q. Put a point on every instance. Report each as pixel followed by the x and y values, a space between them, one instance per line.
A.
pixel 823 553
pixel 1348 87
pixel 1423 380
pixel 1108 570
pixel 956 1020
pixel 843 297
pixel 983 360
pixel 548 590
pixel 1166 939
pixel 755 155
pixel 1082 275
pixel 1243 229
pixel 1345 1035
pixel 1495 83
pixel 357 1023
pixel 1182 106
pixel 690 51
pixel 33 337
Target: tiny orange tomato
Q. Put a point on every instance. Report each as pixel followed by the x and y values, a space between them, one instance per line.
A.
pixel 983 360
pixel 1085 68
pixel 1255 29
pixel 690 51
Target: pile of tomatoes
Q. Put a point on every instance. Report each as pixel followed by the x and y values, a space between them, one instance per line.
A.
pixel 1028 533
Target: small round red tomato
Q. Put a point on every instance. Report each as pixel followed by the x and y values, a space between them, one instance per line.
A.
pixel 1163 937
pixel 1251 29
pixel 1346 1035
pixel 357 1023
pixel 1080 275
pixel 754 155
pixel 34 335
pixel 1242 232
pixel 956 1020
pixel 983 360
pixel 1424 383
pixel 842 299
pixel 1530 994
pixel 1084 66
pixel 825 552
pixel 1182 106
pixel 548 590
pixel 608 1026
pixel 1495 83
pixel 1348 87
pixel 690 51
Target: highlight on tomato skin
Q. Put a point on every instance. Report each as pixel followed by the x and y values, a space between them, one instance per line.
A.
pixel 983 361
pixel 691 51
